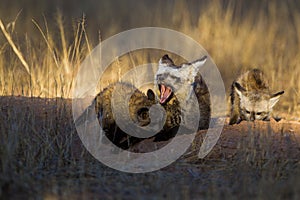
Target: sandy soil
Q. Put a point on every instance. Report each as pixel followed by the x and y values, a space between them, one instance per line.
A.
pixel 245 156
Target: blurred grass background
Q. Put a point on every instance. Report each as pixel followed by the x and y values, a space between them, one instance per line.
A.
pixel 55 36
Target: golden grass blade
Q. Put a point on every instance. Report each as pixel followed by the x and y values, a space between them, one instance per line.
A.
pixel 14 47
pixel 46 40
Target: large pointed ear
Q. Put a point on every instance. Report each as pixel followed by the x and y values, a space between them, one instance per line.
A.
pixel 239 89
pixel 150 95
pixel 275 98
pixel 166 60
pixel 200 62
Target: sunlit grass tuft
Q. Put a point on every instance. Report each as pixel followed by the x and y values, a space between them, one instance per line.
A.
pixel 50 66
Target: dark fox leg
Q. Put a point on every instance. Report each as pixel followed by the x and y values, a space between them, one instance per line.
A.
pixel 234 113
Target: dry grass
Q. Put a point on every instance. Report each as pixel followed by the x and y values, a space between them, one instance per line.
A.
pixel 41 155
pixel 51 66
pixel 266 36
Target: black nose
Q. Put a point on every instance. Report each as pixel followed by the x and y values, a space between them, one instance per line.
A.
pixel 160 77
pixel 252 116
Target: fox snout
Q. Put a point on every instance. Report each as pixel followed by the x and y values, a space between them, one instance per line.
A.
pixel 252 116
pixel 160 77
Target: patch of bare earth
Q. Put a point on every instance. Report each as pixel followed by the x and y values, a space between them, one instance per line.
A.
pixel 42 156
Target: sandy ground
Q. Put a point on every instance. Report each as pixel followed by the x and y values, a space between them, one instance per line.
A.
pixel 249 147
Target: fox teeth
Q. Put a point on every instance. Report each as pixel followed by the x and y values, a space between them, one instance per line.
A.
pixel 165 93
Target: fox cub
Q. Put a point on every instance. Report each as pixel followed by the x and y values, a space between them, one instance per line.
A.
pixel 251 98
pixel 178 82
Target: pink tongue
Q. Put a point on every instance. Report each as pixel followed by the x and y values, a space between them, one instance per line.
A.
pixel 165 92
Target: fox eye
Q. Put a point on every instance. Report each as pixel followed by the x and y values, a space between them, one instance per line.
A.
pixel 143 113
pixel 259 113
pixel 247 111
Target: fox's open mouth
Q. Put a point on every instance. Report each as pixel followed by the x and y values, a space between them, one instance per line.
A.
pixel 165 93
